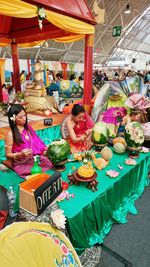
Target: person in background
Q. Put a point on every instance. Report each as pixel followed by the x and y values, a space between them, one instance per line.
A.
pixel 22 143
pixel 59 77
pixel 99 77
pixel 5 94
pixel 116 76
pixel 135 115
pixel 72 77
pixel 29 76
pixel 12 94
pixel 78 129
pixel 147 77
pixel 95 90
pixel 22 80
pixel 50 76
pixel 105 77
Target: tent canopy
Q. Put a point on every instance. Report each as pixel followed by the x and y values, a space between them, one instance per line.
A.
pixel 19 21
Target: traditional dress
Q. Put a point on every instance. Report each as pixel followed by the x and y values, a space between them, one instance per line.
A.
pixel 80 129
pixel 113 116
pixel 30 140
pixel 5 95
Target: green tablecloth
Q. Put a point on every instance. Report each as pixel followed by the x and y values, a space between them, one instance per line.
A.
pixel 90 215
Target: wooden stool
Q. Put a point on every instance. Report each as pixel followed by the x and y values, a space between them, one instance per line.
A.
pixel 8 163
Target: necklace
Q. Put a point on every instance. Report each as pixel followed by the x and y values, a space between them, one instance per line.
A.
pixel 26 135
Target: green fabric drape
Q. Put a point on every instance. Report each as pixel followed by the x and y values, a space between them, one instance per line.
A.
pixel 49 134
pixel 95 212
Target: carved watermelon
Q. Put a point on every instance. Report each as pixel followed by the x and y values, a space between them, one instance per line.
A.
pixel 134 135
pixel 100 133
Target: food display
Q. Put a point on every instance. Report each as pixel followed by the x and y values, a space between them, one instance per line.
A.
pixel 106 153
pixel 119 140
pixel 58 151
pixel 119 148
pixel 134 135
pixel 100 133
pixel 85 156
pixel 86 171
pixel 100 163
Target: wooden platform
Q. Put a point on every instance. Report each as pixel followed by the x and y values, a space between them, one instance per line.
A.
pixel 37 124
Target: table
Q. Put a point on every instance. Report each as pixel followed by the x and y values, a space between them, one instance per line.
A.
pixel 90 215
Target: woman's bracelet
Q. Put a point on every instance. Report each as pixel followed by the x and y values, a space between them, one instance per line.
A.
pixel 15 156
pixel 82 138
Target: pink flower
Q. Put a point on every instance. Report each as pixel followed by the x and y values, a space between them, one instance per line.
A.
pixel 64 249
pixel 130 162
pixel 56 241
pixel 112 173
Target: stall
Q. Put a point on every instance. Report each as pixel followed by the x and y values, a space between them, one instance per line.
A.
pixel 61 22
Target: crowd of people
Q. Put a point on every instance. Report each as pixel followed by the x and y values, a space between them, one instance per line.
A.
pixel 99 76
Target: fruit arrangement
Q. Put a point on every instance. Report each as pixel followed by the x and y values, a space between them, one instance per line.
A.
pixel 106 153
pixel 119 148
pixel 86 171
pixel 119 140
pixel 85 156
pixel 100 133
pixel 134 135
pixel 100 163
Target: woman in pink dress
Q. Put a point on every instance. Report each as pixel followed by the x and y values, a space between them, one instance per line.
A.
pixel 22 143
pixel 5 94
pixel 78 129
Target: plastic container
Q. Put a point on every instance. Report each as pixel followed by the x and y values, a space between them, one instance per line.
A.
pixel 11 201
pixel 36 169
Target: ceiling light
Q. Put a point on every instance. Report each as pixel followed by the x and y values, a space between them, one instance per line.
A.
pixel 128 10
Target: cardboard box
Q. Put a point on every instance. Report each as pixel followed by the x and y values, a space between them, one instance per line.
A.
pixel 37 193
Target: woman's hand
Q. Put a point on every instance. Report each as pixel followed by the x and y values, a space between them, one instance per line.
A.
pixel 83 137
pixel 88 132
pixel 27 152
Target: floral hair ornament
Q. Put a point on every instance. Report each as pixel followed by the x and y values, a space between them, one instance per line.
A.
pixel 13 118
pixel 79 103
pixel 41 16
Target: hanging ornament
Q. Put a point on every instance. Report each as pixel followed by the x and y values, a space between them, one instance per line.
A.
pixel 40 24
pixel 99 13
pixel 41 16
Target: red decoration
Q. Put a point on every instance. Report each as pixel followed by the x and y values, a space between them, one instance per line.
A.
pixel 64 67
pixel 15 60
pixel 88 69
pixel 65 185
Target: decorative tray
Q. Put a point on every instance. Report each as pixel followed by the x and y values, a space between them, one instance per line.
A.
pixel 79 178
